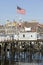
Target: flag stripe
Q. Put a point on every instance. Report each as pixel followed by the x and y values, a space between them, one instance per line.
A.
pixel 20 10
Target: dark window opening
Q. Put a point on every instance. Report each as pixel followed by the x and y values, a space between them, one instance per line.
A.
pixel 23 35
pixel 31 35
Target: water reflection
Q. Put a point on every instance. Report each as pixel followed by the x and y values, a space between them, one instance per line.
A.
pixel 23 57
pixel 27 57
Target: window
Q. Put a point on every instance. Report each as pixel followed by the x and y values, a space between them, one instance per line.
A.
pixel 23 35
pixel 31 35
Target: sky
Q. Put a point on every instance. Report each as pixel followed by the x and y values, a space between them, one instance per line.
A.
pixel 33 8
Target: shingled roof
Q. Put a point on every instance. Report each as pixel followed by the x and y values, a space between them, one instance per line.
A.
pixel 35 26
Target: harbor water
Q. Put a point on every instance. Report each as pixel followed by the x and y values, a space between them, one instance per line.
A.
pixel 13 54
pixel 22 58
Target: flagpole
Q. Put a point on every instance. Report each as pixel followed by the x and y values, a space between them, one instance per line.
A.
pixel 20 11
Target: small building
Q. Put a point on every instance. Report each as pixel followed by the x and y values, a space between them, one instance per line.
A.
pixel 30 36
pixel 10 28
pixel 32 31
pixel 27 36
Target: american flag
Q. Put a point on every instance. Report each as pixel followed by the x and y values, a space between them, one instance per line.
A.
pixel 20 10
